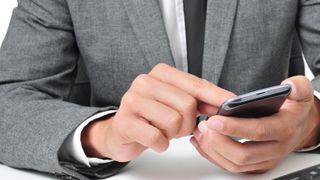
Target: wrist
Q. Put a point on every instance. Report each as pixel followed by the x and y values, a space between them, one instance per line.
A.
pixel 93 137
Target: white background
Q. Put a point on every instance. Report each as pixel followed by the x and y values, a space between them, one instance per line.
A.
pixel 181 161
pixel 6 7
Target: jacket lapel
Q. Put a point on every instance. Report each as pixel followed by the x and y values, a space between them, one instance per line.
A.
pixel 219 24
pixel 146 19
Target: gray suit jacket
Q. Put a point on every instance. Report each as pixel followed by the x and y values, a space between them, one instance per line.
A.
pixel 248 45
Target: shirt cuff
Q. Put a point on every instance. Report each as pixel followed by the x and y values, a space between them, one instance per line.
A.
pixel 317 95
pixel 73 147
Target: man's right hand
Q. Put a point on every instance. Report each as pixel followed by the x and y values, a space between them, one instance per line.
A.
pixel 157 107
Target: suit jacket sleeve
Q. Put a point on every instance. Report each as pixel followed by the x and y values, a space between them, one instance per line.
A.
pixel 37 69
pixel 308 28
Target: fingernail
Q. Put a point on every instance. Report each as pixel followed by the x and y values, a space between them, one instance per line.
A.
pixel 197 134
pixel 293 88
pixel 203 127
pixel 216 124
pixel 194 142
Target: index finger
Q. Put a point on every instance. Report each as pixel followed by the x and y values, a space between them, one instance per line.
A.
pixel 200 89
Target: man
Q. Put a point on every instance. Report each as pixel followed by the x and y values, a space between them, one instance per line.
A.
pixel 137 58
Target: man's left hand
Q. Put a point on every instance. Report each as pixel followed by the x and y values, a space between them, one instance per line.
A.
pixel 294 127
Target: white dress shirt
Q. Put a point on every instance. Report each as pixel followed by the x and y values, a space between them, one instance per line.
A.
pixel 174 21
pixel 173 17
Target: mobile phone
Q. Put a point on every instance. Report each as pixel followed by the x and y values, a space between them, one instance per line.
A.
pixel 263 102
pixel 256 104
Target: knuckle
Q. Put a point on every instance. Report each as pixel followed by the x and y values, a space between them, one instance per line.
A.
pixel 198 85
pixel 160 67
pixel 164 147
pixel 142 80
pixel 129 99
pixel 261 133
pixel 243 158
pixel 234 168
pixel 185 132
pixel 176 120
pixel 230 129
pixel 190 104
pixel 174 125
pixel 206 143
pixel 154 137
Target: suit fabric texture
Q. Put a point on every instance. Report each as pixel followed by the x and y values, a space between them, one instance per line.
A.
pixel 249 44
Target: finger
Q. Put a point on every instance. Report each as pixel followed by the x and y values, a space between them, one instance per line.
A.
pixel 302 90
pixel 172 97
pixel 159 115
pixel 247 153
pixel 145 134
pixel 199 88
pixel 267 128
pixel 196 145
pixel 220 160
pixel 207 109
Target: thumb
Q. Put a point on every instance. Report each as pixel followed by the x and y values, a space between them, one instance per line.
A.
pixel 302 90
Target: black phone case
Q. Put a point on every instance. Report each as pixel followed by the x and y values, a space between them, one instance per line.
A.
pixel 255 104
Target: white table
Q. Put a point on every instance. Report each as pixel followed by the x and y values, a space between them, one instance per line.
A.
pixel 180 162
